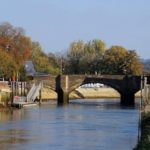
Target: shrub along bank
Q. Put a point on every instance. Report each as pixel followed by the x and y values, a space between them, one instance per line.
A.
pixel 144 143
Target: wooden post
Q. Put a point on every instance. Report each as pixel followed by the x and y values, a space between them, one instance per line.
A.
pixel 24 88
pixel 21 88
pixel 11 93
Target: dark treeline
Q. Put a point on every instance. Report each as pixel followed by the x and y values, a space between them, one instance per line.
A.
pixel 81 57
pixel 146 63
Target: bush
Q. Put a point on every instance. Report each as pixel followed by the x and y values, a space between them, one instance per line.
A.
pixel 5 98
pixel 144 143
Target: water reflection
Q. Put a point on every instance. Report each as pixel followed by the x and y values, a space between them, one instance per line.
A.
pixel 12 136
pixel 82 125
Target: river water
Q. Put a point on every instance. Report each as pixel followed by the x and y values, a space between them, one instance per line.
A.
pixel 81 125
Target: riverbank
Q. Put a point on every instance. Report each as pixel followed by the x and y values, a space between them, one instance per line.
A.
pixel 144 143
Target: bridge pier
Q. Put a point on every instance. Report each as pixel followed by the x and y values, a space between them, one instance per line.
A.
pixel 62 97
pixel 127 98
pixel 62 94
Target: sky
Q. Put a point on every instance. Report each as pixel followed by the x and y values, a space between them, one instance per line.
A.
pixel 57 23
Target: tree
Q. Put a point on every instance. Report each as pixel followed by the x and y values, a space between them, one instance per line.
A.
pixel 54 60
pixel 133 64
pixel 96 46
pixel 8 65
pixel 41 61
pixel 75 53
pixel 14 40
pixel 15 43
pixel 94 51
pixel 118 60
pixel 85 57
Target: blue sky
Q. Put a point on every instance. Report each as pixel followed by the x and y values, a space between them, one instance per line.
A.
pixel 57 23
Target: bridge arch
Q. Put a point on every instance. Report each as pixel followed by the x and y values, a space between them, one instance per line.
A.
pixel 125 85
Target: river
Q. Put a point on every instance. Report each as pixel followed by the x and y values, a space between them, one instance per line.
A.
pixel 98 124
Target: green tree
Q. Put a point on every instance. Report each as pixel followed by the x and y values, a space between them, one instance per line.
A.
pixel 94 51
pixel 54 60
pixel 96 46
pixel 85 57
pixel 41 61
pixel 75 53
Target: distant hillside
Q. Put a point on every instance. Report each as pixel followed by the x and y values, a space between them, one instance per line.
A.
pixel 146 63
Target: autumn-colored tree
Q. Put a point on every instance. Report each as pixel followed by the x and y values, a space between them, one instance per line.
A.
pixel 133 63
pixel 83 57
pixel 15 43
pixel 118 60
pixel 7 65
pixel 13 40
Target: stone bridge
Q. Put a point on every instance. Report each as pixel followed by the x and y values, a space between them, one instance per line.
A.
pixel 63 85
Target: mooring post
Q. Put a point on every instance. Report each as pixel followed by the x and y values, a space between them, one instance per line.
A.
pixel 12 92
pixel 24 88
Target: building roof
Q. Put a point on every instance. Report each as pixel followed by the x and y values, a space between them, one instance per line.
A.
pixel 29 68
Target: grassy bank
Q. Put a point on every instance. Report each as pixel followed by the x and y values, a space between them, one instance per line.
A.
pixel 94 93
pixel 144 143
pixel 85 93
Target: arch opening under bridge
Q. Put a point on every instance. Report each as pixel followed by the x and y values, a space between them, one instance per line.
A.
pixel 94 90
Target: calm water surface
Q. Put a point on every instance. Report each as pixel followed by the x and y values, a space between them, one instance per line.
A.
pixel 82 125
